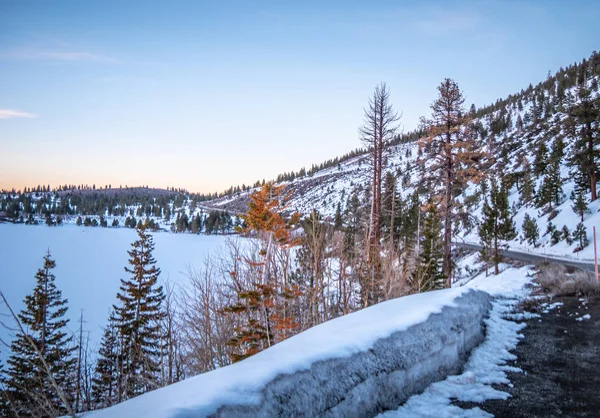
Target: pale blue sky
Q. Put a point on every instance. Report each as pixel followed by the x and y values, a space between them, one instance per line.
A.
pixel 205 95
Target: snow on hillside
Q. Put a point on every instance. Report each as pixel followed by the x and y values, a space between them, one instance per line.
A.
pixel 241 382
pixel 325 189
pixel 89 266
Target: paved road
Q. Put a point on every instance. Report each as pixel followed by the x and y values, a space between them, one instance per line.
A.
pixel 560 359
pixel 533 258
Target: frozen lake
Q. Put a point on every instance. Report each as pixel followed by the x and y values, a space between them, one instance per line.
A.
pixel 89 265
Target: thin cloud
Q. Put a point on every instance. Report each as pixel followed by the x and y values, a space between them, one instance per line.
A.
pixel 75 56
pixel 12 114
pixel 58 56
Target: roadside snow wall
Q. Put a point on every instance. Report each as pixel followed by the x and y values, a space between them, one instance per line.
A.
pixel 381 378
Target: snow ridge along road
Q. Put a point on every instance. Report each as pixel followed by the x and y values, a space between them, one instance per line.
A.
pixel 355 365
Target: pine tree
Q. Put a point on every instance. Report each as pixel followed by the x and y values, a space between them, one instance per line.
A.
pixel 551 189
pixel 138 317
pixel 540 160
pixel 107 375
pixel 566 234
pixel 338 221
pixel 583 124
pixel 580 205
pixel 530 230
pixel 527 186
pixel 196 224
pixel 497 223
pixel 580 236
pixel 451 157
pixel 26 381
pixel 409 220
pixel 428 274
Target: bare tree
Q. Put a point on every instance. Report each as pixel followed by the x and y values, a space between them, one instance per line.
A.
pixel 170 357
pixel 205 331
pixel 378 130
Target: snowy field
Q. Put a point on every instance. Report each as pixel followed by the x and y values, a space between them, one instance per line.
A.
pixel 89 265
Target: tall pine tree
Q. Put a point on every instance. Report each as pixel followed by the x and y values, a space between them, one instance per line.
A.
pixel 428 273
pixel 451 157
pixel 583 124
pixel 42 349
pixel 527 186
pixel 497 223
pixel 138 316
pixel 107 380
pixel 551 192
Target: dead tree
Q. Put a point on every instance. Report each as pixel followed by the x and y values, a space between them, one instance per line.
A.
pixel 379 128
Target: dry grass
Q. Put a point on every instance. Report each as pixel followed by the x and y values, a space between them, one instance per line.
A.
pixel 559 280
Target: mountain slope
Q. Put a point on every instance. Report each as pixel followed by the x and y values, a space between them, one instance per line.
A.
pixel 512 130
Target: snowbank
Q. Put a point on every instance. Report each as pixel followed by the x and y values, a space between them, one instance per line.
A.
pixel 355 365
pixel 487 364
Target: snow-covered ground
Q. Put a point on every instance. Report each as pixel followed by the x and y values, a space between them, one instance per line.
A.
pixel 487 363
pixel 243 383
pixel 89 265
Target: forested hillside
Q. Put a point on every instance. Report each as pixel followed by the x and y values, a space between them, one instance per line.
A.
pixel 540 153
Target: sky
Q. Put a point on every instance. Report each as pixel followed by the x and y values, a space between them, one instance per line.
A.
pixel 208 94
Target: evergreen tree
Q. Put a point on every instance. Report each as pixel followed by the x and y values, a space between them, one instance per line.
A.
pixel 428 273
pixel 541 159
pixel 497 223
pixel 527 186
pixel 182 222
pixel 551 189
pixel 580 236
pixel 196 224
pixel 138 317
pixel 579 206
pixel 353 215
pixel 451 158
pixel 555 236
pixel 45 348
pixel 338 221
pixel 566 235
pixel 583 124
pixel 107 375
pixel 530 230
pixel 410 213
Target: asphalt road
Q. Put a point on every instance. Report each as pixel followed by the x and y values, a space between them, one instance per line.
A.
pixel 533 258
pixel 560 358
